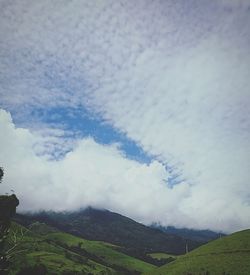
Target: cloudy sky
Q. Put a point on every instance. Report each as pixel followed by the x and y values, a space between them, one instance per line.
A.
pixel 141 107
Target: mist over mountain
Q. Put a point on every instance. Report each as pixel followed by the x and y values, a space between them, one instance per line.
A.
pixel 191 234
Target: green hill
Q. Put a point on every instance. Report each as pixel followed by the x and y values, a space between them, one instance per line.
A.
pixel 135 238
pixel 229 255
pixel 46 250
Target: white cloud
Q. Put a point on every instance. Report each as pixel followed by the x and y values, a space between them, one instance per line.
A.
pixel 58 51
pixel 99 175
pixel 91 174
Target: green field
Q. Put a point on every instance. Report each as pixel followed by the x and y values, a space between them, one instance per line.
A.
pixel 104 251
pixel 63 253
pixel 228 255
pixel 160 256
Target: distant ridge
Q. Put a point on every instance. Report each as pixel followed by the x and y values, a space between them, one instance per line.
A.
pixel 192 234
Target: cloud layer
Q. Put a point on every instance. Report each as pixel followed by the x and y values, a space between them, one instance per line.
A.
pixel 172 76
pixel 101 176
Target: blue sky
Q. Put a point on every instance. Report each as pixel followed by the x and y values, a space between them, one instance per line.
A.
pixel 146 103
pixel 81 123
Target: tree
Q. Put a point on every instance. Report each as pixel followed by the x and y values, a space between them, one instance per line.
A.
pixel 33 270
pixel 1 174
pixel 8 206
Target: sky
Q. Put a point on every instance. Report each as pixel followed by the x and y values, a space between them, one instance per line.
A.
pixel 140 107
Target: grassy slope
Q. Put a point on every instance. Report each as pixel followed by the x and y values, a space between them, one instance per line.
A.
pixel 104 251
pixel 160 256
pixel 228 255
pixel 34 250
pixel 53 249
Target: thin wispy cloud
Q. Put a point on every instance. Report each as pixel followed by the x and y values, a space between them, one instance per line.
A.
pixel 172 77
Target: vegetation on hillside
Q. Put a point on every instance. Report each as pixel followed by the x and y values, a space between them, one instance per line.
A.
pixel 135 239
pixel 49 251
pixel 101 242
pixel 8 206
pixel 229 255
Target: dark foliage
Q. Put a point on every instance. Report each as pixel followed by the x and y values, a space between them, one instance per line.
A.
pixel 33 270
pixel 1 174
pixel 86 255
pixel 142 255
pixel 191 234
pixel 8 206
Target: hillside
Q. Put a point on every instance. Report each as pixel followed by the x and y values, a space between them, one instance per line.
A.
pixel 103 225
pixel 229 255
pixel 46 250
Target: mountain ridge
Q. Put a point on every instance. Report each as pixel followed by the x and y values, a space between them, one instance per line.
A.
pixel 104 225
pixel 203 235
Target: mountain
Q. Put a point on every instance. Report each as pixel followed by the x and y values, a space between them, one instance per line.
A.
pixel 191 234
pixel 227 255
pixel 135 239
pixel 41 249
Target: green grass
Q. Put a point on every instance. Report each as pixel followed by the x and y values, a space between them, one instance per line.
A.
pixel 35 250
pixel 160 256
pixel 228 255
pixel 57 263
pixel 57 252
pixel 105 251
